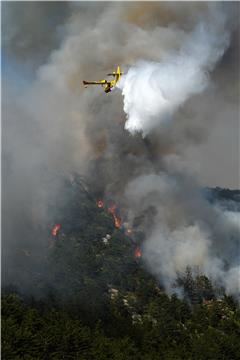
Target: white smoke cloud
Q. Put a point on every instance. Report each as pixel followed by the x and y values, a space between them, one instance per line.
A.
pixel 153 91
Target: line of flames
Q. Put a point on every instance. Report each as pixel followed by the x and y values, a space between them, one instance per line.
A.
pixel 118 223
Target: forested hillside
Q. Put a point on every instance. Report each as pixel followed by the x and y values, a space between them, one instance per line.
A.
pixel 92 297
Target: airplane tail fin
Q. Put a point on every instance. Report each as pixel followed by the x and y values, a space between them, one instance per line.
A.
pixel 117 73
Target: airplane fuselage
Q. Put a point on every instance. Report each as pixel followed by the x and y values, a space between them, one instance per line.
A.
pixel 107 84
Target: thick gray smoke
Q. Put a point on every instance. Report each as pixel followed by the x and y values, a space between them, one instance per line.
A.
pixel 53 126
pixel 186 229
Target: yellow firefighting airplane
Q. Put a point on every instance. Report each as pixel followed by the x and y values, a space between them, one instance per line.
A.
pixel 107 84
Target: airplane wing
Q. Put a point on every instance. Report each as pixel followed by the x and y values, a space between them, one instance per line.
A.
pixel 100 82
pixel 118 72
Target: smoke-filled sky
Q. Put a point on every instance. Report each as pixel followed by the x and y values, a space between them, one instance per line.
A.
pixel 173 121
pixel 59 44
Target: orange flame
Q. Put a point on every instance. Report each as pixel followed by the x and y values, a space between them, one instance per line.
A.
pixel 117 219
pixel 138 253
pixel 100 203
pixel 56 229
